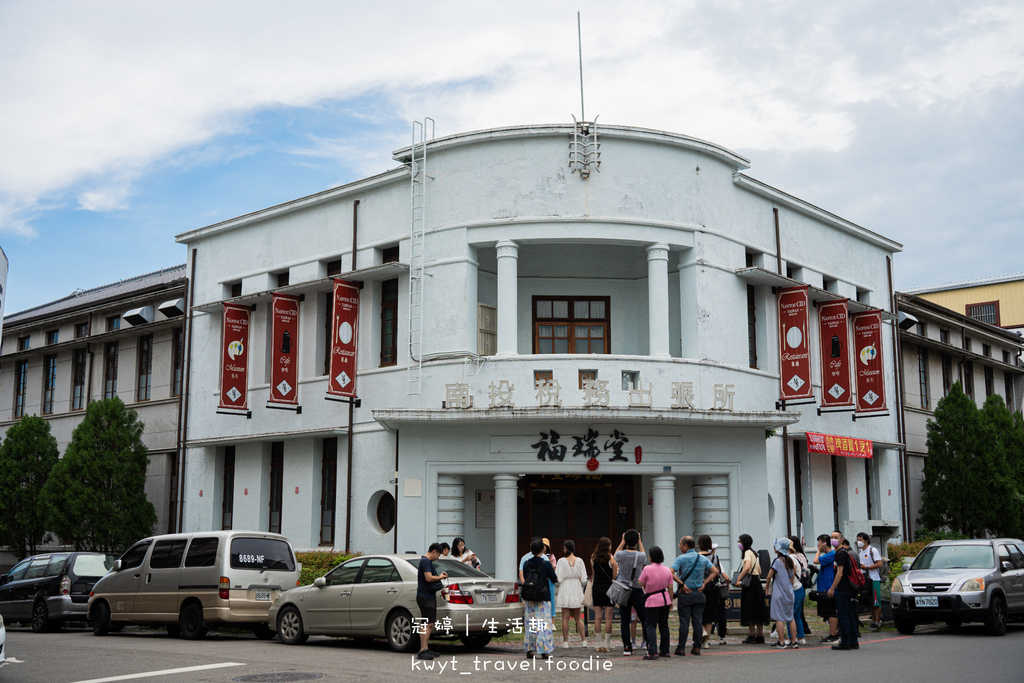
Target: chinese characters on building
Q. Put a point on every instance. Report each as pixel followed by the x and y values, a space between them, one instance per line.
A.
pixel 595 394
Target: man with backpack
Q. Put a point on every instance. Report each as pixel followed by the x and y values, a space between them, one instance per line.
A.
pixel 871 564
pixel 847 582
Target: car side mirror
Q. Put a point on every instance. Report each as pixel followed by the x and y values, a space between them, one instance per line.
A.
pixel 117 565
pixel 320 582
pixel 3 578
pixel 1005 566
pixel 906 566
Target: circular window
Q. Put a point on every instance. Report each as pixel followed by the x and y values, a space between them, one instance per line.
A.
pixel 381 511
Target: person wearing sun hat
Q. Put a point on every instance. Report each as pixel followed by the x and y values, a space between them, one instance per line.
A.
pixel 780 590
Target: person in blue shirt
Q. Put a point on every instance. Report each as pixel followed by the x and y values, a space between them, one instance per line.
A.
pixel 826 558
pixel 689 572
pixel 428 582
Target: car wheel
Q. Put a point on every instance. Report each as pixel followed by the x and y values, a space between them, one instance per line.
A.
pixel 401 637
pixel 477 641
pixel 904 625
pixel 173 630
pixel 191 622
pixel 995 622
pixel 101 619
pixel 263 632
pixel 40 617
pixel 289 627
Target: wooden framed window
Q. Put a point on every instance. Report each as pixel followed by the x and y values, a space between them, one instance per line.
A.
pixel 334 267
pixel 752 325
pixel 922 375
pixel 24 343
pixel 1008 387
pixel 276 485
pixel 227 500
pixel 541 376
pixel 587 376
pixel 78 379
pixel 571 325
pixel 145 376
pixel 20 387
pixel 49 383
pixel 990 381
pixel 177 361
pixel 947 374
pixel 81 330
pixel 986 312
pixel 969 379
pixel 110 371
pixel 328 487
pixel 113 323
pixel 389 322
pixel 52 336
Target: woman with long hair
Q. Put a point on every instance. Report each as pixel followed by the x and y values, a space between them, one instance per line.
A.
pixel 714 605
pixel 605 569
pixel 780 589
pixel 571 572
pixel 463 554
pixel 753 613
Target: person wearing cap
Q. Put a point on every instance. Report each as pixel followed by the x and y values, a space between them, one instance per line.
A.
pixel 780 590
pixel 547 555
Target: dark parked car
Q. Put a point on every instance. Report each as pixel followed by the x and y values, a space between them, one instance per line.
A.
pixel 48 590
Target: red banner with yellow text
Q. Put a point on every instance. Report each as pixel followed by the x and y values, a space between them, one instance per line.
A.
pixel 234 380
pixel 834 338
pixel 867 347
pixel 794 354
pixel 344 339
pixel 846 446
pixel 284 367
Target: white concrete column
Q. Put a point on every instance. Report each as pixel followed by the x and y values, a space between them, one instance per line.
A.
pixel 506 565
pixel 657 299
pixel 711 512
pixel 508 297
pixel 451 507
pixel 664 493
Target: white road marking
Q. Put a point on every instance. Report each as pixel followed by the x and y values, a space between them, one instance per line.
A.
pixel 165 672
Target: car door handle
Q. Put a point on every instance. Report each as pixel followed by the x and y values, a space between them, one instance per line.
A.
pixel 344 593
pixel 138 575
pixel 392 590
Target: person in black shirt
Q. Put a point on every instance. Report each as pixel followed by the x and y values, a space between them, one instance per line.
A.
pixel 427 584
pixel 843 592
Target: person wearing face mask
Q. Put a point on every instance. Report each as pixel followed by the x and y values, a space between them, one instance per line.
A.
pixel 871 564
pixel 825 559
pixel 843 592
pixel 753 611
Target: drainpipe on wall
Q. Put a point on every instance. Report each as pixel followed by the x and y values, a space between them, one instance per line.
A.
pixel 183 400
pixel 351 405
pixel 785 428
pixel 88 382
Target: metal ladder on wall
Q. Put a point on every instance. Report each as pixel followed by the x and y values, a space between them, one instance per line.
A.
pixel 421 134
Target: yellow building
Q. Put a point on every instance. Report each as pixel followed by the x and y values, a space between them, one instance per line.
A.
pixel 996 300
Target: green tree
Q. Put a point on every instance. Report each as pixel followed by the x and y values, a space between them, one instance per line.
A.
pixel 95 498
pixel 1004 446
pixel 28 454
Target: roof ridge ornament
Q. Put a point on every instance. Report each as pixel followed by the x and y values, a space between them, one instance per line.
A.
pixel 584 150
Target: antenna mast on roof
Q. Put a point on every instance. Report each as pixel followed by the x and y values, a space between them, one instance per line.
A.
pixel 584 150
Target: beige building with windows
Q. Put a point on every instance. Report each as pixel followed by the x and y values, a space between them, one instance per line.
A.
pixel 943 347
pixel 997 301
pixel 123 339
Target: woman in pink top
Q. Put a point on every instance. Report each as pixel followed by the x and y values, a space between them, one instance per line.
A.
pixel 655 580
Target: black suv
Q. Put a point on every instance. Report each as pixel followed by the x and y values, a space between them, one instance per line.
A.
pixel 47 590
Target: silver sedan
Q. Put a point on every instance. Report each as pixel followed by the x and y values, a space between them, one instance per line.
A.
pixel 374 596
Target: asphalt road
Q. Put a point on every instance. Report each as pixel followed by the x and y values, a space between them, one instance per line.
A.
pixel 74 655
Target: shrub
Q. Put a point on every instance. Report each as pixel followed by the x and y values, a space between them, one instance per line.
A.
pixel 898 551
pixel 318 562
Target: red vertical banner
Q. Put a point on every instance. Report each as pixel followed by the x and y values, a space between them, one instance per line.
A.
pixel 834 337
pixel 234 366
pixel 867 347
pixel 284 352
pixel 794 355
pixel 344 339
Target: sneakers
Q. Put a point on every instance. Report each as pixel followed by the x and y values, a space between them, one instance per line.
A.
pixel 830 639
pixel 794 646
pixel 704 640
pixel 649 657
pixel 425 654
pixel 759 640
pixel 565 643
pixel 722 642
pixel 627 652
pixel 802 641
pixel 749 640
pixel 779 645
pixel 584 644
pixel 875 625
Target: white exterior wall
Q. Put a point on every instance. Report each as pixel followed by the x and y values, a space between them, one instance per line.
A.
pixel 574 237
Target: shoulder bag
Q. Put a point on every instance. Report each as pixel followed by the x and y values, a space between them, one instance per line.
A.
pixel 683 580
pixel 745 581
pixel 620 592
pixel 722 584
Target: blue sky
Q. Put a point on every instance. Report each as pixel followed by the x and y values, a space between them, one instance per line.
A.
pixel 123 124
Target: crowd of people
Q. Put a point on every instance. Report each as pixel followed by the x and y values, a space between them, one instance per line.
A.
pixel 645 588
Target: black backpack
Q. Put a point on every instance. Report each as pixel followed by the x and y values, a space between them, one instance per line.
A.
pixel 535 587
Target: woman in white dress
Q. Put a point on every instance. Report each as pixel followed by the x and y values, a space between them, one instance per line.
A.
pixel 572 572
pixel 463 554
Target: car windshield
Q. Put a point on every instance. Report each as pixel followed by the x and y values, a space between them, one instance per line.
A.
pixel 92 565
pixel 453 567
pixel 955 557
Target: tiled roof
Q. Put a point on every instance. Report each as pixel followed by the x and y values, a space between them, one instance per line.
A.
pixel 965 284
pixel 86 297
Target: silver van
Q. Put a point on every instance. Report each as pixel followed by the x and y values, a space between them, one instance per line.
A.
pixel 189 582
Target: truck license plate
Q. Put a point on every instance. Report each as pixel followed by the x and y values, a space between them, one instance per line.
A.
pixel 263 595
pixel 488 597
pixel 926 602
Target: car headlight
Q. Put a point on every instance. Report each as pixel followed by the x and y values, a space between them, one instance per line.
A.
pixel 973 586
pixel 897 587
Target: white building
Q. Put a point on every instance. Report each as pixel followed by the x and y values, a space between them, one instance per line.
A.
pixel 523 260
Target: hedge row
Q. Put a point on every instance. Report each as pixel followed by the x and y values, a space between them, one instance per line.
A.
pixel 318 562
pixel 898 551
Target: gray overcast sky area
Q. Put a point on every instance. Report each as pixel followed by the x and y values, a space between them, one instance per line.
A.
pixel 126 123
